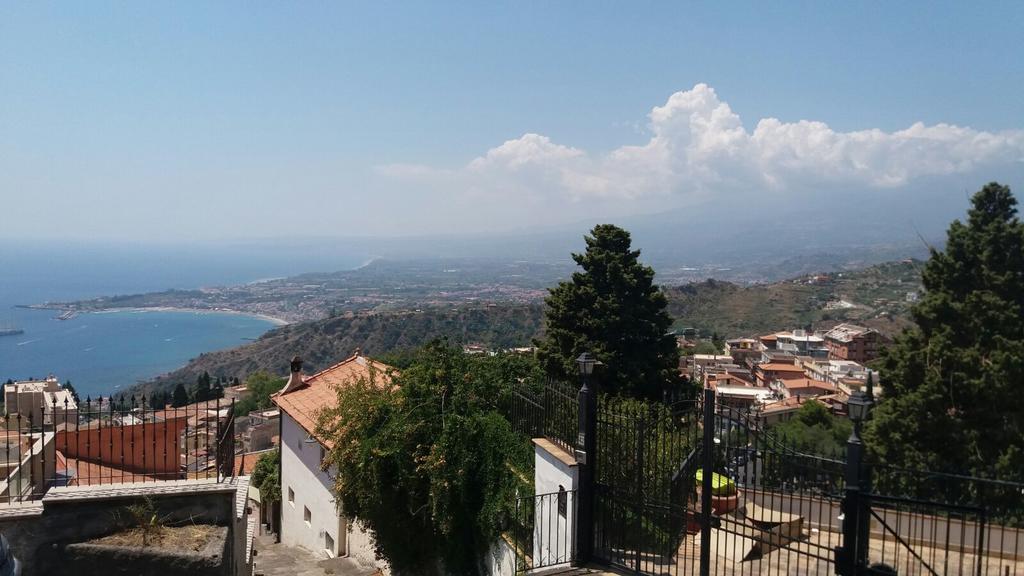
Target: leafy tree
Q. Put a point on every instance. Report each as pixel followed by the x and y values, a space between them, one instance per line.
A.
pixel 260 385
pixel 705 347
pixel 613 310
pixel 266 476
pixel 952 383
pixel 180 396
pixel 425 463
pixel 814 430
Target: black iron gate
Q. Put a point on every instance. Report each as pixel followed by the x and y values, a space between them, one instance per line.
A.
pixel 704 488
pixel 644 483
pixel 763 508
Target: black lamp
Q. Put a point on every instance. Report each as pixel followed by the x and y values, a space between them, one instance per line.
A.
pixel 858 406
pixel 586 363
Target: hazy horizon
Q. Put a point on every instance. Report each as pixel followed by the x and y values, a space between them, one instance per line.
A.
pixel 235 123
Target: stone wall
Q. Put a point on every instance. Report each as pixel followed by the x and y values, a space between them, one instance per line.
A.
pixel 40 534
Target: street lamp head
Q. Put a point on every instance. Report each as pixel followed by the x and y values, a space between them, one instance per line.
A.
pixel 586 364
pixel 858 406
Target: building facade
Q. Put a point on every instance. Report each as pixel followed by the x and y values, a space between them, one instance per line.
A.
pixel 311 517
pixel 852 342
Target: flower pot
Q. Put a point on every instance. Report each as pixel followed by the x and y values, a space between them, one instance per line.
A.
pixel 724 504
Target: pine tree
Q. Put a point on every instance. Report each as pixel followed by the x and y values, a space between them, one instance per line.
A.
pixel 613 310
pixel 74 394
pixel 180 397
pixel 202 392
pixel 952 383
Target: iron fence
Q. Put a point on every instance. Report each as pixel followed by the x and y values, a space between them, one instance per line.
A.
pixel 109 441
pixel 550 410
pixel 542 530
pixel 703 488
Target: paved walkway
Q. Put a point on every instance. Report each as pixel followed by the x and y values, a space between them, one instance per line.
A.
pixel 279 560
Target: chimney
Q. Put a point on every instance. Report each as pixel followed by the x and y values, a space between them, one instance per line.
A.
pixel 295 378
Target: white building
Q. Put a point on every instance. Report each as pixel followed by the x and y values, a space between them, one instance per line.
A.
pixel 45 399
pixel 310 516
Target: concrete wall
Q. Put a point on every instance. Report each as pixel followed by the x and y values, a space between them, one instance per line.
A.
pixel 151 448
pixel 39 536
pixel 552 534
pixel 501 560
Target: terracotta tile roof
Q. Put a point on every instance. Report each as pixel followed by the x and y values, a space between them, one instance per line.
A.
pixel 808 383
pixel 791 403
pixel 780 367
pixel 319 390
pixel 250 459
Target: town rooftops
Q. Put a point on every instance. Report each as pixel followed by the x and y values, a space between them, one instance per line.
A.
pixel 808 386
pixel 847 332
pixel 744 392
pixel 304 401
pixel 780 367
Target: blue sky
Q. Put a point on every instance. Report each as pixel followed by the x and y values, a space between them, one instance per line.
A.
pixel 192 121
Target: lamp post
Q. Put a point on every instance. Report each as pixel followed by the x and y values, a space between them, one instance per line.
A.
pixel 852 556
pixel 586 456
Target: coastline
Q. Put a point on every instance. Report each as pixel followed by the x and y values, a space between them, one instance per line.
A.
pixel 277 322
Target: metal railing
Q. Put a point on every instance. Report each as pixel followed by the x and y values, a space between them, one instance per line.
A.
pixel 111 441
pixel 547 411
pixel 543 530
pixel 760 504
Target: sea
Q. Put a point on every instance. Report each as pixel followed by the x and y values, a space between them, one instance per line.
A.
pixel 103 353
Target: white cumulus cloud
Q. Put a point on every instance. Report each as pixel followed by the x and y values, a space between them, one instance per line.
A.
pixel 698 146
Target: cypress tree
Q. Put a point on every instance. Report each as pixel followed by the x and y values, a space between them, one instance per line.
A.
pixel 613 310
pixel 180 397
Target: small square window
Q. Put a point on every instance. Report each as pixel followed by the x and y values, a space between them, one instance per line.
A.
pixel 307 515
pixel 329 544
pixel 291 496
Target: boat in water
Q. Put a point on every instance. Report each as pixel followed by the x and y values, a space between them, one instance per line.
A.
pixel 10 331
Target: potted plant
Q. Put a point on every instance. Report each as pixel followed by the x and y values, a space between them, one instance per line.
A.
pixel 725 497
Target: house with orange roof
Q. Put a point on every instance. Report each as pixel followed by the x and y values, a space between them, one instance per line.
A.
pixel 807 387
pixel 769 372
pixel 309 515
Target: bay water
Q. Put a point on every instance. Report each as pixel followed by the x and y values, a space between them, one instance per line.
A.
pixel 102 353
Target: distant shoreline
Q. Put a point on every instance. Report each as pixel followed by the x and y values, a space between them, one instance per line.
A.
pixel 272 319
pixel 277 322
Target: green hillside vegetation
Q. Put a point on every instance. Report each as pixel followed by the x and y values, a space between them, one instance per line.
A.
pixel 878 295
pixel 322 343
pixel 713 307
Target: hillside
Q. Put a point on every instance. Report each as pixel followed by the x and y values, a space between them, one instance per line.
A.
pixel 875 296
pixel 322 342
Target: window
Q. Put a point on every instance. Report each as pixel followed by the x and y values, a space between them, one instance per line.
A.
pixel 307 515
pixel 291 496
pixel 329 544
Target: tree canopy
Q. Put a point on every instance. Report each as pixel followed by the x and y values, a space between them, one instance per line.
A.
pixel 613 310
pixel 266 476
pixel 428 463
pixel 952 383
pixel 814 430
pixel 180 396
pixel 260 385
